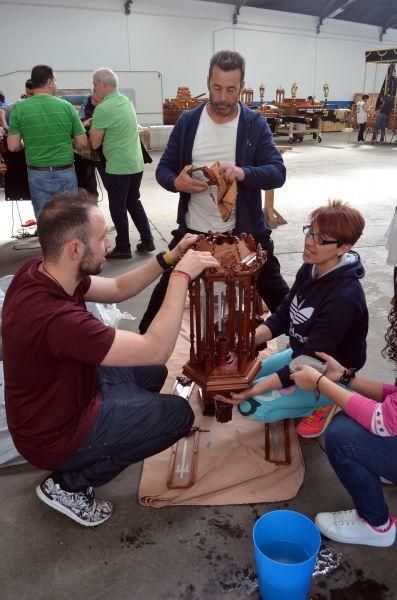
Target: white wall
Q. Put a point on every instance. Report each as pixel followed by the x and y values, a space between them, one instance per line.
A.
pixel 177 38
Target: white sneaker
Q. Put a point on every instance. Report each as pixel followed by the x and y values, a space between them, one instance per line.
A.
pixel 348 527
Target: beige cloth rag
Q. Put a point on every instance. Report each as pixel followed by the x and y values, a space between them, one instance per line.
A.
pixel 231 461
pixel 226 192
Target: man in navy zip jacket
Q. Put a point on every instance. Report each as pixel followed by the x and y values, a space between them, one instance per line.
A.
pixel 240 139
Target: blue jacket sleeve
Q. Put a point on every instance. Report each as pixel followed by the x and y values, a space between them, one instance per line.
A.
pixel 268 171
pixel 170 166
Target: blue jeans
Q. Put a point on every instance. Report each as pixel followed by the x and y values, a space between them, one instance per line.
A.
pixel 123 193
pixel 286 403
pixel 380 123
pixel 44 184
pixel 134 422
pixel 359 458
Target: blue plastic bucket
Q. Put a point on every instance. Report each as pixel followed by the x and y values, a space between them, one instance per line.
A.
pixel 286 547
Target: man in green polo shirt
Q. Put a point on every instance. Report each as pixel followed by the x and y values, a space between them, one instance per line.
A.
pixel 45 126
pixel 115 126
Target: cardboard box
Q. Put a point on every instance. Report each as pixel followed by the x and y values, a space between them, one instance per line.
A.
pixel 329 126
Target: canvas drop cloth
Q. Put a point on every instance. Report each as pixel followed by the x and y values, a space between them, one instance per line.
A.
pixel 231 460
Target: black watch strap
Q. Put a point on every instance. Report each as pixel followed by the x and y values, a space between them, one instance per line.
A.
pixel 162 262
pixel 348 375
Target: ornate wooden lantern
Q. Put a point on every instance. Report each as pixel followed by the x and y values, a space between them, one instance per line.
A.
pixel 223 305
pixel 247 96
pixel 280 94
pixel 262 92
pixel 326 91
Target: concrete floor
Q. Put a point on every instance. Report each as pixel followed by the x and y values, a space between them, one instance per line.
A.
pixel 206 553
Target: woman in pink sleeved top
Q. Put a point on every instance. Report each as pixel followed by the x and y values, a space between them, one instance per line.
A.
pixel 361 445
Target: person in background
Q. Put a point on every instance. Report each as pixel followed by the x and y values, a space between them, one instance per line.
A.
pixel 361 445
pixel 45 126
pixel 28 90
pixel 227 131
pixel 84 401
pixel 3 106
pixel 314 120
pixel 87 108
pixel 5 111
pixel 325 310
pixel 385 108
pixel 115 127
pixel 362 117
pixel 3 101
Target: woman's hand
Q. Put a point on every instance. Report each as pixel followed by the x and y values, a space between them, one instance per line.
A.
pixel 305 377
pixel 262 334
pixel 334 369
pixel 235 398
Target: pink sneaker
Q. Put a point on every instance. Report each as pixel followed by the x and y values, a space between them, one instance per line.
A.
pixel 316 423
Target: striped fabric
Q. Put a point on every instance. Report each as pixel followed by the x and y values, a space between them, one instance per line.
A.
pixel 46 125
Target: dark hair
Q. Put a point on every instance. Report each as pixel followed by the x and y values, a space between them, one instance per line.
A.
pixel 365 97
pixel 65 217
pixel 2 96
pixel 28 84
pixel 310 98
pixel 227 60
pixel 40 75
pixel 390 351
pixel 340 221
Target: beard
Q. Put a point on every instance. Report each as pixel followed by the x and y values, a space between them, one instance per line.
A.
pixel 222 108
pixel 88 265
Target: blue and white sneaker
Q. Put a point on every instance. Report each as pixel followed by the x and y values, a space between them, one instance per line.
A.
pixel 82 507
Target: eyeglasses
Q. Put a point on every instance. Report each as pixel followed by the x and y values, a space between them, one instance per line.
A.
pixel 317 237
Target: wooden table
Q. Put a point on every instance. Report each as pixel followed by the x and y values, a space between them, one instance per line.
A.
pixel 272 216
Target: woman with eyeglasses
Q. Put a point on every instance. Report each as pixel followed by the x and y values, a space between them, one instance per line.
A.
pixel 324 311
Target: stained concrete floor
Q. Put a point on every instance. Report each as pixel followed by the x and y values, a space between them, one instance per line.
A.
pixel 206 553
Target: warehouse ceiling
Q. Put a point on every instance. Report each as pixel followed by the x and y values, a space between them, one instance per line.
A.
pixel 381 13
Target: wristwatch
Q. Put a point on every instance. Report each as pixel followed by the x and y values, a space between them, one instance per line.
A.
pixel 163 263
pixel 348 375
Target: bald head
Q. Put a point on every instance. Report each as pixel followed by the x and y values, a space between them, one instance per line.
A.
pixel 105 81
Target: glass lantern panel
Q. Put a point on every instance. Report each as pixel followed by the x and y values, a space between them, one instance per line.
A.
pixel 203 309
pixel 221 311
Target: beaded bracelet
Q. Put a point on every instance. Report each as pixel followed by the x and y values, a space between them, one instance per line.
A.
pixel 182 274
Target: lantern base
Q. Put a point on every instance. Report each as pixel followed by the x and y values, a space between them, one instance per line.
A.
pixel 211 384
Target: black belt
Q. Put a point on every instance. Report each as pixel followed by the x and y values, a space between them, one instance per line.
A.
pixel 63 168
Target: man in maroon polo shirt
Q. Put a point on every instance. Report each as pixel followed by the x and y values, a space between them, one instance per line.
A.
pixel 82 399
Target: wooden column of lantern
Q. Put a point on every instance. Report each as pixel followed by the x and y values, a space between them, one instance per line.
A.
pixel 223 355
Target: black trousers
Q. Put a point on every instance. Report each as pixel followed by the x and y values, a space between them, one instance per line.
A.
pixel 123 194
pixel 270 285
pixel 361 130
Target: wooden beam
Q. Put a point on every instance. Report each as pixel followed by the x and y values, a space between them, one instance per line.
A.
pixel 239 5
pixel 331 9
